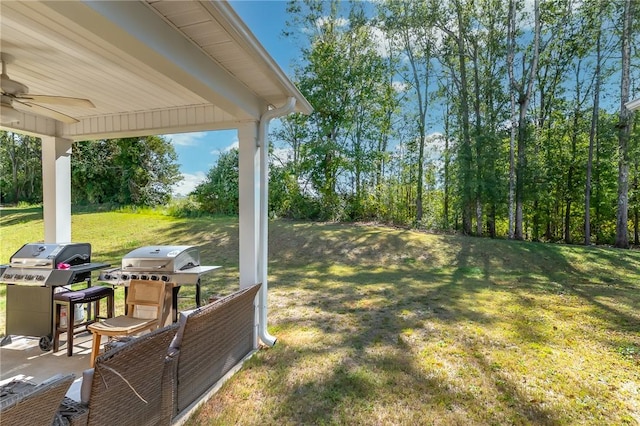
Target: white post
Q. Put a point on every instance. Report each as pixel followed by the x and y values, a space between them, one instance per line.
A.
pixel 249 197
pixel 56 189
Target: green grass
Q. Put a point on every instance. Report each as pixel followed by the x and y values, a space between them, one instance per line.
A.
pixel 386 326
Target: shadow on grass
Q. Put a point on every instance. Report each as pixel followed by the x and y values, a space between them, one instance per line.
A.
pixel 382 325
pixel 14 216
pixel 443 293
pixel 601 284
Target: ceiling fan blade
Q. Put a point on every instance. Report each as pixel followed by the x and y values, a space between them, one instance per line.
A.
pixel 58 100
pixel 47 112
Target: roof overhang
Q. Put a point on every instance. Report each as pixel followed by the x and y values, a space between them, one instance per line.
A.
pixel 149 67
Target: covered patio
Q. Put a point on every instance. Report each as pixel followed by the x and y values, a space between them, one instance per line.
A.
pixel 142 68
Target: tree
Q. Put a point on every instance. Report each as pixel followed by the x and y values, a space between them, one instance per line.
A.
pixel 346 81
pixel 410 27
pixel 21 167
pixel 138 171
pixel 521 95
pixel 622 226
pixel 456 62
pixel 219 192
pixel 94 180
pixel 474 63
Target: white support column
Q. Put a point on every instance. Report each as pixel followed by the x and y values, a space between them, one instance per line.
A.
pixel 56 189
pixel 249 188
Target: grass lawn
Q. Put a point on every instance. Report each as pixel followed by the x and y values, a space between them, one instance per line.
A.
pixel 385 326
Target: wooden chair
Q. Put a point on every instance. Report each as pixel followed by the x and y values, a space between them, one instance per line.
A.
pixel 145 304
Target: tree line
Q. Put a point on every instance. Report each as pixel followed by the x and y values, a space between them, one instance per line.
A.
pixel 488 117
pixel 129 171
pixel 500 118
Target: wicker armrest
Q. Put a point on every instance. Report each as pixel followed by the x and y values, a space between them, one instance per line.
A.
pixel 34 404
pixel 215 338
pixel 169 386
pixel 128 385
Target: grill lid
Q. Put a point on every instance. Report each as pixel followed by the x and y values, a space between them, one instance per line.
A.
pixel 48 256
pixel 161 259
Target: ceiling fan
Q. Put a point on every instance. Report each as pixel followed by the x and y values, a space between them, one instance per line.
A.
pixel 16 97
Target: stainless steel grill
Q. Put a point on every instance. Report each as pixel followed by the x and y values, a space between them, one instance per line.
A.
pixel 179 265
pixel 176 264
pixel 33 274
pixel 50 265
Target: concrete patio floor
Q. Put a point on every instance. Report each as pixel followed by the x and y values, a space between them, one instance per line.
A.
pixel 24 359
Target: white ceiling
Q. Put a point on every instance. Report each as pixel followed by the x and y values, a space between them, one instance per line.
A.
pixel 149 67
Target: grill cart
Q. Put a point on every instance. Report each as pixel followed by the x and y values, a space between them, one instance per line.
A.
pixel 179 265
pixel 32 276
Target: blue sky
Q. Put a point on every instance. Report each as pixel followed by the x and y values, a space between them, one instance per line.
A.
pixel 266 19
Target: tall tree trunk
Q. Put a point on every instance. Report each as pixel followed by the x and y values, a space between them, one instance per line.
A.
pixel 478 140
pixel 447 160
pixel 520 166
pixel 523 102
pixel 622 226
pixel 593 135
pixel 571 171
pixel 423 98
pixel 512 90
pixel 464 152
pixel 467 200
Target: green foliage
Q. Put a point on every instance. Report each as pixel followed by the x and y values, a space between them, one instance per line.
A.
pixel 347 81
pixel 462 180
pixel 184 208
pixel 218 194
pixel 286 199
pixel 20 169
pixel 412 123
pixel 139 171
pixel 130 171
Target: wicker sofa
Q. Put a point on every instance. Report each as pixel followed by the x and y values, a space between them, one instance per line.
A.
pixel 127 385
pixel 209 342
pixel 156 378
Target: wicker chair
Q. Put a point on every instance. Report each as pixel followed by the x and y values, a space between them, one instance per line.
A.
pixel 211 340
pixel 34 404
pixel 131 384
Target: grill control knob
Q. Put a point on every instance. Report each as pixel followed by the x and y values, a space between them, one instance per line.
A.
pixel 154 278
pixel 125 277
pixel 144 277
pixel 134 277
pixel 165 278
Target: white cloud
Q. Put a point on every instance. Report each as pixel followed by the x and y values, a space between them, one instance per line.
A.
pixel 326 20
pixel 234 145
pixel 380 42
pixel 186 139
pixel 400 86
pixel 188 183
pixel 282 155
